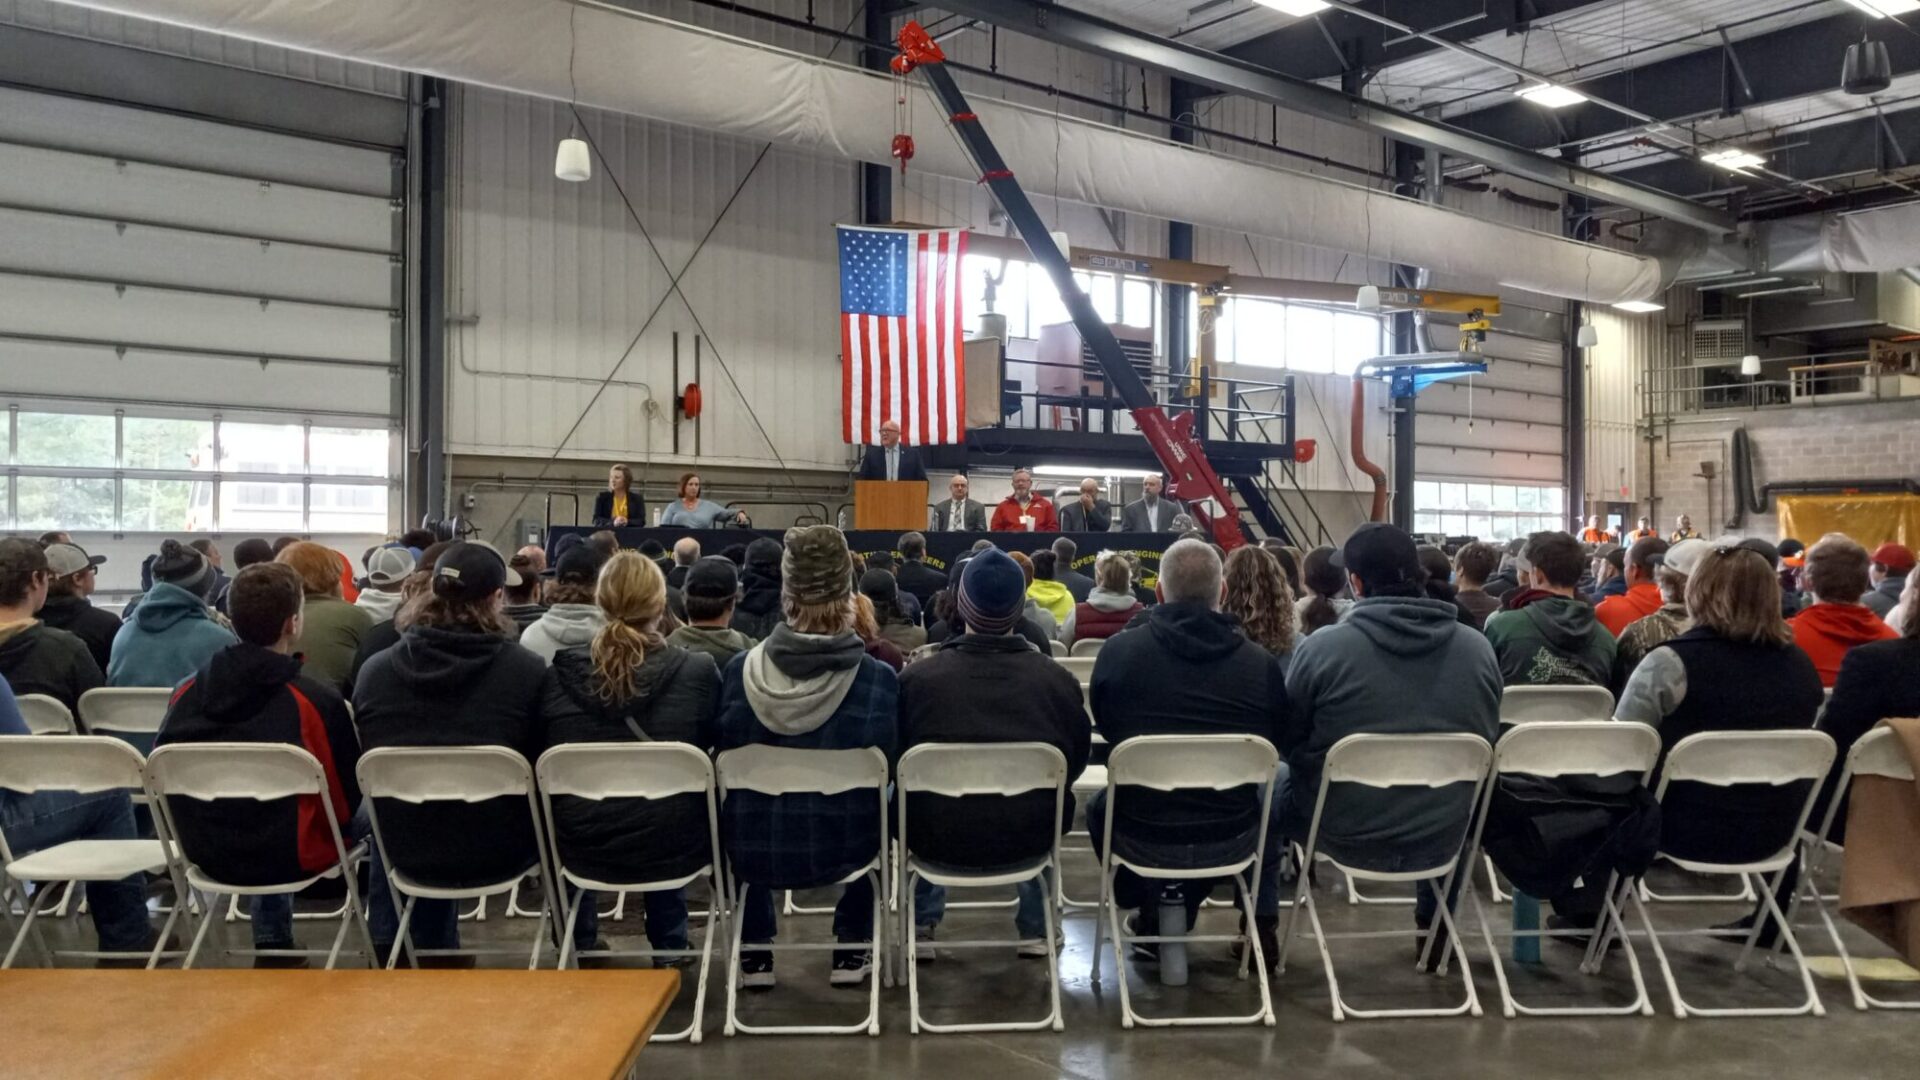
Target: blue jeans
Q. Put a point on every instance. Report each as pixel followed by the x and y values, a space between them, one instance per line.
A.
pixel 1029 917
pixel 47 818
pixel 1132 891
pixel 1291 826
pixel 666 915
pixel 852 919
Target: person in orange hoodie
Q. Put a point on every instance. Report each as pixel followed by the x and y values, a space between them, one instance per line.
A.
pixel 1836 575
pixel 1642 597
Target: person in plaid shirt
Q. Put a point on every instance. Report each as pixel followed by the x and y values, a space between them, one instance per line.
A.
pixel 810 685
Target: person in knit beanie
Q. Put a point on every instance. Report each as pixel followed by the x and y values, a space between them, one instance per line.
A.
pixel 173 632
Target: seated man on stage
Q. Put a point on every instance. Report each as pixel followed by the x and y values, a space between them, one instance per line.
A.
pixel 1088 513
pixel 1024 511
pixel 1150 512
pixel 958 513
pixel 890 460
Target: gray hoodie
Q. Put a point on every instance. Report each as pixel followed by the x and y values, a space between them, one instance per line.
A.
pixel 563 626
pixel 1101 600
pixel 795 682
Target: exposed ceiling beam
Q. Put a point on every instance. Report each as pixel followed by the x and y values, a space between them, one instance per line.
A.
pixel 1297 49
pixel 1864 146
pixel 1084 32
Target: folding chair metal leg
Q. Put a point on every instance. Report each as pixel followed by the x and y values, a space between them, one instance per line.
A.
pixel 566 936
pixel 199 938
pixel 1599 938
pixel 1682 1010
pixel 403 939
pixel 1494 892
pixel 733 960
pixel 30 925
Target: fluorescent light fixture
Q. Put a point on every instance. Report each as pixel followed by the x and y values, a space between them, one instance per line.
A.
pixel 1097 472
pixel 1639 307
pixel 1776 292
pixel 1736 158
pixel 1740 284
pixel 1550 96
pixel 1882 8
pixel 1297 8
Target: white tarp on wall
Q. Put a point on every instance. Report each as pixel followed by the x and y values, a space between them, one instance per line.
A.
pixel 667 71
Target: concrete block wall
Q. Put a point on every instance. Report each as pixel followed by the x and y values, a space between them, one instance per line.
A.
pixel 1874 441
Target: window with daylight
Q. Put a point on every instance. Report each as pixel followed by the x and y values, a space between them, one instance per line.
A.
pixel 1295 337
pixel 110 472
pixel 1023 293
pixel 1487 511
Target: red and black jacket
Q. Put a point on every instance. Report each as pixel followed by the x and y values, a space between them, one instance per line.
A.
pixel 250 694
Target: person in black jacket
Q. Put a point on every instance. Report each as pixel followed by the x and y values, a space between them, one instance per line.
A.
pixel 915 576
pixel 758 611
pixel 254 692
pixel 948 622
pixel 619 505
pixel 989 685
pixel 629 684
pixel 34 657
pixel 1187 670
pixel 455 678
pixel 75 574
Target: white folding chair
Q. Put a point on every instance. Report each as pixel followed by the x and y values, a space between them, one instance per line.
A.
pixel 1187 763
pixel 1723 759
pixel 777 771
pixel 132 713
pixel 1058 649
pixel 1081 666
pixel 956 770
pixel 259 772
pixel 83 764
pixel 1387 761
pixel 1878 753
pixel 452 774
pixel 1087 647
pixel 1560 748
pixel 650 771
pixel 1527 704
pixel 45 715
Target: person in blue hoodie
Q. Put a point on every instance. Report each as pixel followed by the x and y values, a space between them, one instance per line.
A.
pixel 173 632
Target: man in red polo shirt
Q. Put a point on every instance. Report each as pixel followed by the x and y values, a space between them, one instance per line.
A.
pixel 1642 597
pixel 1024 511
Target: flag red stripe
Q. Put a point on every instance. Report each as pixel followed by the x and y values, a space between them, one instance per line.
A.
pixel 923 339
pixel 939 350
pixel 957 420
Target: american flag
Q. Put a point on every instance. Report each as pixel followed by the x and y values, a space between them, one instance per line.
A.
pixel 900 334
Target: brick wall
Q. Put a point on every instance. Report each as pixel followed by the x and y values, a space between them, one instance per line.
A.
pixel 1845 442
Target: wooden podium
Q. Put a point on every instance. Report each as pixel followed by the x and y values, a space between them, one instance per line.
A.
pixel 891 505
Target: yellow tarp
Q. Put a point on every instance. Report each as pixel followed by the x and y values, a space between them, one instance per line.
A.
pixel 1871 520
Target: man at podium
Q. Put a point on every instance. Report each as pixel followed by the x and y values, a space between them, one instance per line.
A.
pixel 890 460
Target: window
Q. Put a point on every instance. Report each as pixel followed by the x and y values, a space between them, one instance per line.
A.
pixel 1494 512
pixel 118 473
pixel 1023 293
pixel 1297 337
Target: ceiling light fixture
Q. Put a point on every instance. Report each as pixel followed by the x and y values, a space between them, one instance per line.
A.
pixel 1880 9
pixel 1639 307
pixel 1367 298
pixel 1586 337
pixel 1750 366
pixel 573 159
pixel 1297 8
pixel 1735 159
pixel 1550 95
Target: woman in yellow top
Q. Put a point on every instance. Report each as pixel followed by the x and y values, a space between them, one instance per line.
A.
pixel 619 505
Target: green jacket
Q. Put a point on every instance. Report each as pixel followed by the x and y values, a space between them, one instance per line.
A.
pixel 1554 640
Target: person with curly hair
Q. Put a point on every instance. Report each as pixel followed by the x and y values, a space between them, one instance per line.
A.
pixel 1258 595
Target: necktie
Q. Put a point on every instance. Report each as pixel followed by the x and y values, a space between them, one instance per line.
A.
pixel 893 464
pixel 954 519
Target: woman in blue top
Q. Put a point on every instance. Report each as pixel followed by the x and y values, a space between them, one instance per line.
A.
pixel 693 512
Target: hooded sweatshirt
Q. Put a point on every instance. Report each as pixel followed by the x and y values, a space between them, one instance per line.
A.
pixel 1550 640
pixel 1616 613
pixel 720 642
pixel 812 692
pixel 453 687
pixel 38 659
pixel 1187 670
pixel 77 615
pixel 249 694
pixel 1826 631
pixel 379 604
pixel 1880 599
pixel 1054 597
pixel 758 611
pixel 167 640
pixel 1102 615
pixel 1398 666
pixel 564 626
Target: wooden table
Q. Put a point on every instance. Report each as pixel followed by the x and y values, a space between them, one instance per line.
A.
pixel 328 1024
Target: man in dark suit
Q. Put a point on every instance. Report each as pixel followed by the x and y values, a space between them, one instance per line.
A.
pixel 915 576
pixel 1088 513
pixel 957 513
pixel 1077 583
pixel 1150 513
pixel 890 460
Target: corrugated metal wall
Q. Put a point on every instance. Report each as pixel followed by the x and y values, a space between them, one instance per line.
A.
pixel 1615 374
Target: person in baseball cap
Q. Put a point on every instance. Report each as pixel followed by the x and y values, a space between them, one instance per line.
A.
pixel 1384 558
pixel 1888 574
pixel 470 571
pixel 711 590
pixel 1671 570
pixel 572 616
pixel 387 570
pixel 75 575
pixel 809 685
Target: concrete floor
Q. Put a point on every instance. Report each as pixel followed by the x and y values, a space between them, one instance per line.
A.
pixel 993 984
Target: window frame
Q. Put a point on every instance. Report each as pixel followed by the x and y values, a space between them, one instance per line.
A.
pixel 1446 501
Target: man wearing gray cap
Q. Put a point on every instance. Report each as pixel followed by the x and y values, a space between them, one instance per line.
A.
pixel 75 573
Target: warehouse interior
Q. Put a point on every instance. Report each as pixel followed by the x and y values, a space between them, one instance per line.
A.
pixel 308 269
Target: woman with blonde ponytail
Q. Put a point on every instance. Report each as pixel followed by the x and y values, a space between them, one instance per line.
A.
pixel 628 684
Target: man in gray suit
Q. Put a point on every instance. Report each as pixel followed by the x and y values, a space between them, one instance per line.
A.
pixel 958 513
pixel 1088 513
pixel 1151 513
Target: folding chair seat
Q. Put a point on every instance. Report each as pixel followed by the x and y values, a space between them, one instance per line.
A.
pixel 1087 647
pixel 1386 762
pixel 650 771
pixel 775 771
pixel 957 770
pixel 1080 666
pixel 1552 749
pixel 1187 763
pixel 1878 753
pixel 1057 648
pixel 85 765
pixel 45 715
pixel 420 775
pixel 260 772
pixel 1721 759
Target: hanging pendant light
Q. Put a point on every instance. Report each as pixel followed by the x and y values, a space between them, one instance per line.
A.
pixel 1586 337
pixel 1866 69
pixel 573 161
pixel 1368 298
pixel 1750 366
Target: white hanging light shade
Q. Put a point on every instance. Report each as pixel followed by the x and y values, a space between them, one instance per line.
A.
pixel 1750 366
pixel 573 161
pixel 1587 337
pixel 1064 242
pixel 1368 298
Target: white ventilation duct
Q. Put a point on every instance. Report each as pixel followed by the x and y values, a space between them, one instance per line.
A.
pixel 1866 242
pixel 667 71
